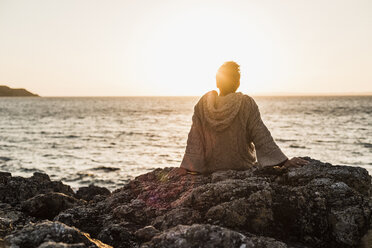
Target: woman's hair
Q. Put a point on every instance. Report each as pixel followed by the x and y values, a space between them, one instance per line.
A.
pixel 228 76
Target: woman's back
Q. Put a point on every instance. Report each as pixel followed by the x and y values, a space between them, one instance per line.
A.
pixel 223 132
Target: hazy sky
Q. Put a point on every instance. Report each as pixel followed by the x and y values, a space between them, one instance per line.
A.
pixel 158 47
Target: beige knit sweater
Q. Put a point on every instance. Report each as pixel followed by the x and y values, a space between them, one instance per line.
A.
pixel 227 132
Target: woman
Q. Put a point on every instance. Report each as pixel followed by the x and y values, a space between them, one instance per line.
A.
pixel 227 131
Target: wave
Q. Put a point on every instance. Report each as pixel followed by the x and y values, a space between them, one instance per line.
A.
pixel 5 159
pixel 285 140
pixel 297 146
pixel 366 145
pixel 105 168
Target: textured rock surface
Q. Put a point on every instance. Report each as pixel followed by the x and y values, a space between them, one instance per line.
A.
pixel 146 233
pixel 318 205
pixel 52 244
pixel 47 206
pixel 24 201
pixel 12 219
pixel 14 190
pixel 198 235
pixel 33 235
pixel 88 193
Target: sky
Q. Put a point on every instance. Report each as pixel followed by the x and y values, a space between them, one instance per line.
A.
pixel 174 47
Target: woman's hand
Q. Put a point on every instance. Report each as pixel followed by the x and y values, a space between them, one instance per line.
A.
pixel 295 162
pixel 178 171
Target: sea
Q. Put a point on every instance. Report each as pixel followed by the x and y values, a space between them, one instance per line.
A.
pixel 107 141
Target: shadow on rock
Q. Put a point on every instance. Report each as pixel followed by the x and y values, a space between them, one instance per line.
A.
pixel 317 205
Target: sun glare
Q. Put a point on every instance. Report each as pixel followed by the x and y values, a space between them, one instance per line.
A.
pixel 183 56
pixel 170 48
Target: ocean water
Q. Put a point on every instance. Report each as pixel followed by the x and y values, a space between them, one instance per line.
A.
pixel 110 140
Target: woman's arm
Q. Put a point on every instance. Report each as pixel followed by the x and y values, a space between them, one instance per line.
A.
pixel 194 158
pixel 267 151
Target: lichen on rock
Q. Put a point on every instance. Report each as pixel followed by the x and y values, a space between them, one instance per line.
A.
pixel 317 205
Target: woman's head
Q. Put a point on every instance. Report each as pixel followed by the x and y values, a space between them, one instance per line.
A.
pixel 228 77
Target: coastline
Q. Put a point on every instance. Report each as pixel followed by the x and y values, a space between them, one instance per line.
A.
pixel 6 91
pixel 316 205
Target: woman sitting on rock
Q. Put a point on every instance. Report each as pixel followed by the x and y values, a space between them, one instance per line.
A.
pixel 227 131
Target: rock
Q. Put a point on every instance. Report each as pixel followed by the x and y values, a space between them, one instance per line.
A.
pixel 88 193
pixel 318 205
pixel 4 176
pixel 34 235
pixel 5 226
pixel 52 244
pixel 117 235
pixel 91 219
pixel 174 217
pixel 47 206
pixel 14 190
pixel 23 199
pixel 88 218
pixel 6 91
pixel 146 233
pixel 205 236
pixel 12 219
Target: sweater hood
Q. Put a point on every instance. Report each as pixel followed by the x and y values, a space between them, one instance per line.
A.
pixel 220 111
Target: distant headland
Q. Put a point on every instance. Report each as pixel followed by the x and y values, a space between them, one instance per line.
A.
pixel 7 91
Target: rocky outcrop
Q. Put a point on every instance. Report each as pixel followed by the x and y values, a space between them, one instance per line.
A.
pixel 24 201
pixel 88 193
pixel 318 205
pixel 47 206
pixel 41 234
pixel 211 236
pixel 14 190
pixel 6 91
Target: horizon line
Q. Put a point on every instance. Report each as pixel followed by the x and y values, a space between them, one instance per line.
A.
pixel 256 94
